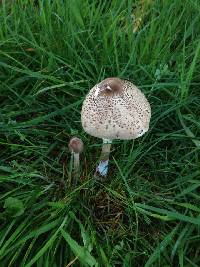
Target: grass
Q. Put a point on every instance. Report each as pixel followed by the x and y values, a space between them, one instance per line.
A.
pixel 148 212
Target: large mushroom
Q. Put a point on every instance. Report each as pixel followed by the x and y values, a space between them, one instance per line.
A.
pixel 114 109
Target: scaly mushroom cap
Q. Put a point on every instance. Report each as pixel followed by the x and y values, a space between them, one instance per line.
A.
pixel 115 109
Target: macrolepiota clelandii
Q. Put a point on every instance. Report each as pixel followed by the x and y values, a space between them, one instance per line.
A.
pixel 114 109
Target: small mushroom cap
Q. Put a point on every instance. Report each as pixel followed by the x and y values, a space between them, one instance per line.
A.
pixel 75 145
pixel 115 109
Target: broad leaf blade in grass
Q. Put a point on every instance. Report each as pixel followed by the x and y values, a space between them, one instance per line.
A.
pixel 84 234
pixel 16 233
pixel 171 214
pixel 81 252
pixel 47 227
pixel 188 206
pixel 13 206
pixel 47 245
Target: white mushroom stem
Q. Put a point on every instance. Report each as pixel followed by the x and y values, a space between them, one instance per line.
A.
pixel 76 164
pixel 102 168
pixel 76 147
pixel 75 168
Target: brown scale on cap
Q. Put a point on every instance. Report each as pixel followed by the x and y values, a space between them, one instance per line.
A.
pixel 75 145
pixel 115 109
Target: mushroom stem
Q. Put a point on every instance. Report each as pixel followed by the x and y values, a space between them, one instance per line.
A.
pixel 102 168
pixel 76 166
pixel 76 147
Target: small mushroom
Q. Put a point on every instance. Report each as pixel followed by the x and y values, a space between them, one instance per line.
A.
pixel 114 109
pixel 76 147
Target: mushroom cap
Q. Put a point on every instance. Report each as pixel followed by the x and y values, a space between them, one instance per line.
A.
pixel 115 109
pixel 75 145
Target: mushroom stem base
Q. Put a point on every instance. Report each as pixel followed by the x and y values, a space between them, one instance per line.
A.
pixel 102 168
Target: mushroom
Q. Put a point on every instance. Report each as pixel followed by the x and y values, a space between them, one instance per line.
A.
pixel 114 109
pixel 76 147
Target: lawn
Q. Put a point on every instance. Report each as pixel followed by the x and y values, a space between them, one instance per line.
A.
pixel 147 213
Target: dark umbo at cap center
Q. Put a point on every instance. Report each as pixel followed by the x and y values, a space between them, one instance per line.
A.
pixel 110 87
